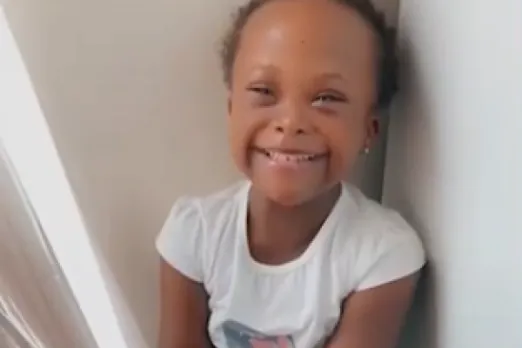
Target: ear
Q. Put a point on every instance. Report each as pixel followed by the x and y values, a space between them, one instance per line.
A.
pixel 373 128
pixel 229 103
pixel 376 126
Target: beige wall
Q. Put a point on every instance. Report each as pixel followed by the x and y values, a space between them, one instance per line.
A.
pixel 132 92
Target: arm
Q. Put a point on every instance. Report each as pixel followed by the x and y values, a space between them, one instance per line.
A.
pixel 373 318
pixel 183 311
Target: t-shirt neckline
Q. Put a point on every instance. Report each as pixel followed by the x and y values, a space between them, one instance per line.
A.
pixel 326 229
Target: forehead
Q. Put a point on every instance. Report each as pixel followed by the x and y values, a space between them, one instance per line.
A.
pixel 308 35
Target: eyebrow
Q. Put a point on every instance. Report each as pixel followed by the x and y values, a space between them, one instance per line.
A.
pixel 331 76
pixel 265 68
pixel 275 69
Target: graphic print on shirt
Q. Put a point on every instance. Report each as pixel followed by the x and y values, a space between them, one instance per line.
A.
pixel 240 336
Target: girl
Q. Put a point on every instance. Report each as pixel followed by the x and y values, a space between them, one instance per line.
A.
pixel 294 257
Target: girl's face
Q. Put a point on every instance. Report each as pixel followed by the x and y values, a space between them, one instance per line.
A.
pixel 302 96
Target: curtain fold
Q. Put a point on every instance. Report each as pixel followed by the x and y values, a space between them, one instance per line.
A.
pixel 37 307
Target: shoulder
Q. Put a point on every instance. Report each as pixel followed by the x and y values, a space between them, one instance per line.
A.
pixel 372 221
pixel 221 205
pixel 201 210
pixel 383 247
pixel 193 222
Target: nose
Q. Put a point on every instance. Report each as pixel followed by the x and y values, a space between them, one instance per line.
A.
pixel 292 121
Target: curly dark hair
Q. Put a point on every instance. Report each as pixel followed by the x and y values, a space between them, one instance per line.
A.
pixel 388 61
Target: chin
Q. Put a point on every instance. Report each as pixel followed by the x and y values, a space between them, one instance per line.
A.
pixel 288 196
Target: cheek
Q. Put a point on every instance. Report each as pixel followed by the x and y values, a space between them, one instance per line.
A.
pixel 241 133
pixel 345 143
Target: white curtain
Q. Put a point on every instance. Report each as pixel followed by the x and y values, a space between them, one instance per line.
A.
pixel 37 308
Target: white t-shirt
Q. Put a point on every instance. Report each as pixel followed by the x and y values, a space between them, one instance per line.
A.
pixel 298 304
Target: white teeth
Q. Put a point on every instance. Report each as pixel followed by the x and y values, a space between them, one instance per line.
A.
pixel 283 157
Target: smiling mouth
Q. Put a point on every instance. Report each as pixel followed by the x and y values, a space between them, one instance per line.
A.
pixel 291 156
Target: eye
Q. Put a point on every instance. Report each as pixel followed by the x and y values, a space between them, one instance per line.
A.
pixel 261 95
pixel 263 91
pixel 330 97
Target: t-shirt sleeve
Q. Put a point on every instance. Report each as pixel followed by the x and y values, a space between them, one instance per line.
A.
pixel 180 241
pixel 397 254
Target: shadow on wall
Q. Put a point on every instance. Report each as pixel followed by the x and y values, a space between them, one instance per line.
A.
pixel 420 323
pixel 410 124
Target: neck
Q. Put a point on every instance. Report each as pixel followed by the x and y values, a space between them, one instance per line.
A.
pixel 278 233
